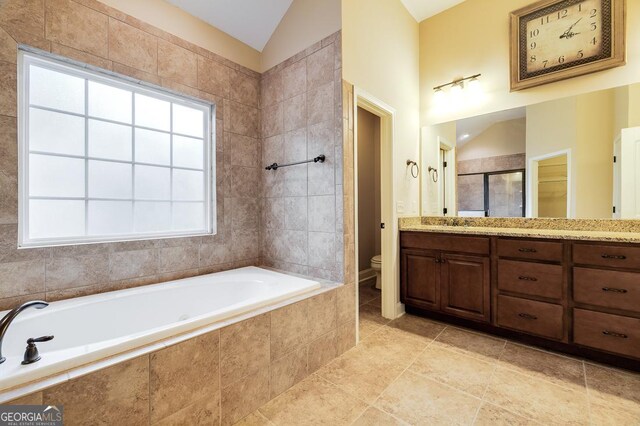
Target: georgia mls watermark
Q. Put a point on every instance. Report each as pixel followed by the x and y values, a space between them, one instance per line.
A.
pixel 31 415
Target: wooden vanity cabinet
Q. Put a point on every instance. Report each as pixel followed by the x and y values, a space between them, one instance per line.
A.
pixel 449 275
pixel 579 297
pixel 606 296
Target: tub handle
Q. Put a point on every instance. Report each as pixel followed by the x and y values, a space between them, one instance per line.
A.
pixel 31 354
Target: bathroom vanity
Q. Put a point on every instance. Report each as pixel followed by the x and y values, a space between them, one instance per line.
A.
pixel 570 292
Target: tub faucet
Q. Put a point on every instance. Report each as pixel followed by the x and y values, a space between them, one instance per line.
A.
pixel 6 321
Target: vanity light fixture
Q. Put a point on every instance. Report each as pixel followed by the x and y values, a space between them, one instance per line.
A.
pixel 457 85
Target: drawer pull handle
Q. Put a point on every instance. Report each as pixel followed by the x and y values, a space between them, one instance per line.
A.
pixel 614 334
pixel 614 290
pixel 528 316
pixel 527 250
pixel 523 278
pixel 614 256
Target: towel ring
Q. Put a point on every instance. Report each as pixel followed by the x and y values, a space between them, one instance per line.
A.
pixel 414 166
pixel 434 175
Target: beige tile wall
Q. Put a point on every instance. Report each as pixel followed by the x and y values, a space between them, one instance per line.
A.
pixel 303 205
pixel 88 31
pixel 221 376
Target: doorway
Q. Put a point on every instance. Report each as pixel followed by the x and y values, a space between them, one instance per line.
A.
pixel 550 188
pixel 387 222
pixel 369 222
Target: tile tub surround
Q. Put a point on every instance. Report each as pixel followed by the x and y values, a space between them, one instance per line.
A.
pixel 218 377
pixel 91 32
pixel 623 231
pixel 303 205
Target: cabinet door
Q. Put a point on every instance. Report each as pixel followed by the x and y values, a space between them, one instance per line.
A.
pixel 465 286
pixel 419 279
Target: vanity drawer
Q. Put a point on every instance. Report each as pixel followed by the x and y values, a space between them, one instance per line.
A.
pixel 533 279
pixel 609 289
pixel 611 333
pixel 445 242
pixel 603 255
pixel 530 249
pixel 539 318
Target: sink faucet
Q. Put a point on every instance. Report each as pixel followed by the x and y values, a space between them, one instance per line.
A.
pixel 6 321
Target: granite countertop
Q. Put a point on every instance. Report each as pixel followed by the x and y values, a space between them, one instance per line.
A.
pixel 560 234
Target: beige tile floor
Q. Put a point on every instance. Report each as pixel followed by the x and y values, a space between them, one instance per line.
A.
pixel 415 371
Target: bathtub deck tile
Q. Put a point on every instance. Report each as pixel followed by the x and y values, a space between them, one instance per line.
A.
pixel 183 374
pixel 116 395
pixel 244 397
pixel 288 370
pixel 288 328
pixel 203 412
pixel 244 348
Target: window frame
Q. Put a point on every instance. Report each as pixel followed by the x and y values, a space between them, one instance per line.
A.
pixel 27 57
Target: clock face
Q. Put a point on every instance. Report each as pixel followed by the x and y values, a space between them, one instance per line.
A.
pixel 552 40
pixel 566 35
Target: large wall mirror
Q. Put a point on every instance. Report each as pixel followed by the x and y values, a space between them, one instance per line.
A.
pixel 575 157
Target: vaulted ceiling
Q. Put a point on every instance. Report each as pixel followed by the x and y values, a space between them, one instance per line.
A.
pixel 423 9
pixel 254 21
pixel 250 21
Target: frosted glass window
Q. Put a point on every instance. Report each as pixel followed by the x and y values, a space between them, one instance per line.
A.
pixel 153 147
pixel 152 216
pixel 187 215
pixel 153 183
pixel 53 176
pixel 110 180
pixel 187 185
pixel 153 113
pixel 105 159
pixel 187 152
pixel 56 133
pixel 187 121
pixel 109 141
pixel 109 102
pixel 56 90
pixel 110 217
pixel 56 218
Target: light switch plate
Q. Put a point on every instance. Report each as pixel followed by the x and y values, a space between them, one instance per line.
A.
pixel 400 207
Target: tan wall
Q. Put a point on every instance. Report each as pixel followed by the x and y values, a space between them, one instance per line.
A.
pixel 368 188
pixel 586 125
pixel 305 23
pixel 94 33
pixel 381 50
pixel 550 129
pixel 503 138
pixel 473 37
pixel 169 18
pixel 594 165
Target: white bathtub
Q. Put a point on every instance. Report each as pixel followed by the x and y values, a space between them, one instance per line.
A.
pixel 91 328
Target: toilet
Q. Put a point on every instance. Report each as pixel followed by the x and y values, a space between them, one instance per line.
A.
pixel 376 265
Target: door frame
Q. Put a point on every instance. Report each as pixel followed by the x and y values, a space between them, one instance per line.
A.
pixel 532 185
pixel 391 306
pixel 448 193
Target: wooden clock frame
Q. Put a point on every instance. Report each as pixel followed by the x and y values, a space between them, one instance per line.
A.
pixel 614 54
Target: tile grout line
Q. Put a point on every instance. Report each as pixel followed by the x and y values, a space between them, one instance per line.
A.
pixel 486 388
pixel 586 385
pixel 405 370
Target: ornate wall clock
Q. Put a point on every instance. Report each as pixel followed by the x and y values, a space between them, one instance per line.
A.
pixel 553 40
